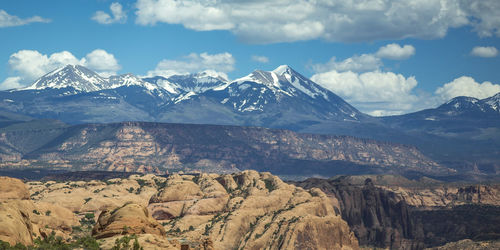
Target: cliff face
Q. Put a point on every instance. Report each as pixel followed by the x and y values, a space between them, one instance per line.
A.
pixel 151 147
pixel 416 217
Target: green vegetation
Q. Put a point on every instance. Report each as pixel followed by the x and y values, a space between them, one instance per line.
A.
pixel 124 243
pixel 36 212
pixel 142 183
pixel 87 200
pixel 48 212
pixel 270 185
pixel 160 184
pixel 88 220
pixel 196 179
pixel 53 242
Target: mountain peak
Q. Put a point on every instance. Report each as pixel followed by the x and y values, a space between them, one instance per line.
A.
pixel 70 76
pixel 493 102
pixel 280 70
pixel 462 99
pixel 212 74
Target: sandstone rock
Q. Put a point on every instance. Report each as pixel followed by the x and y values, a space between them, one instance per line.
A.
pixel 470 245
pixel 94 196
pixel 251 210
pixel 179 189
pixel 15 222
pixel 13 189
pixel 128 219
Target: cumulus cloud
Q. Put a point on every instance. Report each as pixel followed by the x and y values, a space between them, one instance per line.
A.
pixel 11 83
pixel 261 59
pixel 377 93
pixel 102 62
pixel 332 20
pixel 485 16
pixel 467 86
pixel 360 81
pixel 193 63
pixel 484 51
pixel 364 62
pixel 117 15
pixel 28 65
pixel 7 20
pixel 395 52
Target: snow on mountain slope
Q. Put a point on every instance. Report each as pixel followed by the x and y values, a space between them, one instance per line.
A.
pixel 196 83
pixel 284 86
pixel 74 76
pixel 493 102
pixel 273 93
pixel 129 80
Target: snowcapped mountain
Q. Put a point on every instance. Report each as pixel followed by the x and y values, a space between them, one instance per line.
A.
pixel 196 83
pixel 70 76
pixel 467 106
pixel 278 98
pixel 283 89
pixel 458 115
pixel 85 80
pixel 493 102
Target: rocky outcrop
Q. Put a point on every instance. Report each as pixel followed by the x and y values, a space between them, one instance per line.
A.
pixel 22 220
pixel 128 219
pixel 247 210
pixel 375 215
pixel 15 221
pixel 447 195
pixel 413 217
pixel 13 189
pixel 469 245
pixel 250 210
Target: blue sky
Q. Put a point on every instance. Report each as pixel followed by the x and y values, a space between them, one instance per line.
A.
pixel 384 57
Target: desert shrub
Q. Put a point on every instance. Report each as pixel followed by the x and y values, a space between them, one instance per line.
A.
pixel 142 183
pixel 124 243
pixel 270 185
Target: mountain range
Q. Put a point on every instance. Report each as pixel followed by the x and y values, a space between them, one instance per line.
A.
pixel 463 133
pixel 278 98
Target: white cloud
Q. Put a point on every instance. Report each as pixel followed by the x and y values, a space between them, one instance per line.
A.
pixel 28 65
pixel 193 63
pixel 102 62
pixel 364 62
pixel 395 52
pixel 31 64
pixel 377 93
pixel 261 59
pixel 467 86
pixel 332 20
pixel 484 51
pixel 11 83
pixel 117 15
pixel 485 16
pixel 7 20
